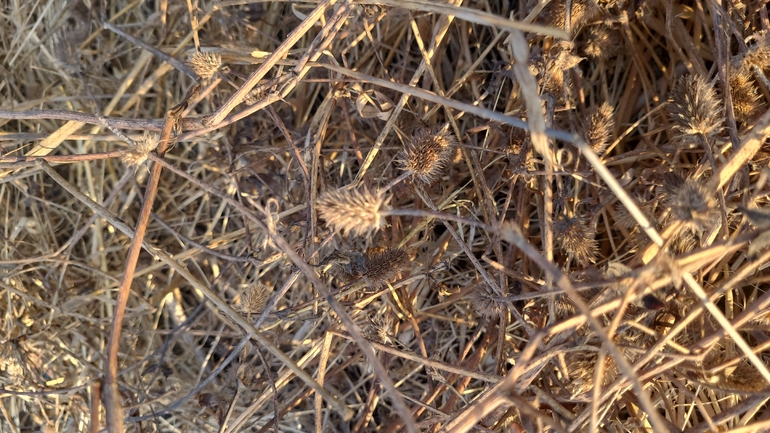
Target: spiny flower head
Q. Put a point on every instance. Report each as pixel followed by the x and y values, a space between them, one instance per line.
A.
pixel 359 212
pixel 692 204
pixel 383 266
pixel 694 107
pixel 205 64
pixel 487 303
pixel 576 239
pixel 601 42
pixel 254 299
pixel 598 127
pixel 745 95
pixel 427 153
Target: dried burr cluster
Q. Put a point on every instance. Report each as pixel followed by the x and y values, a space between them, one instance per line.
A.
pixel 412 216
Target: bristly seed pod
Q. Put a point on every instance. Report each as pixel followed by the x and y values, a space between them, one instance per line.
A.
pixel 601 42
pixel 744 94
pixel 487 303
pixel 427 153
pixel 575 239
pixel 695 108
pixel 598 127
pixel 382 267
pixel 693 205
pixel 205 65
pixel 254 299
pixel 359 212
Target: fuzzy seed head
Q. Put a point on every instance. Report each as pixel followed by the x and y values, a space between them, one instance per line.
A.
pixel 487 303
pixel 598 127
pixel 427 153
pixel 745 95
pixel 359 212
pixel 138 155
pixel 601 42
pixel 694 107
pixel 254 299
pixel 576 239
pixel 383 266
pixel 692 204
pixel 205 65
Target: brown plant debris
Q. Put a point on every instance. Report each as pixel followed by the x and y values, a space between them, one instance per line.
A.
pixel 346 174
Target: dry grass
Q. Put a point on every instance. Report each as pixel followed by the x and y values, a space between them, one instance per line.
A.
pixel 368 216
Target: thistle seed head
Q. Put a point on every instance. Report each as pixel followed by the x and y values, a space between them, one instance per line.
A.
pixel 601 42
pixel 383 266
pixel 576 239
pixel 359 212
pixel 694 107
pixel 487 303
pixel 693 205
pixel 427 153
pixel 254 299
pixel 138 155
pixel 745 95
pixel 598 127
pixel 205 65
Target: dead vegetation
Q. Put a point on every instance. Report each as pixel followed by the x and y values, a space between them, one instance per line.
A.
pixel 384 216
